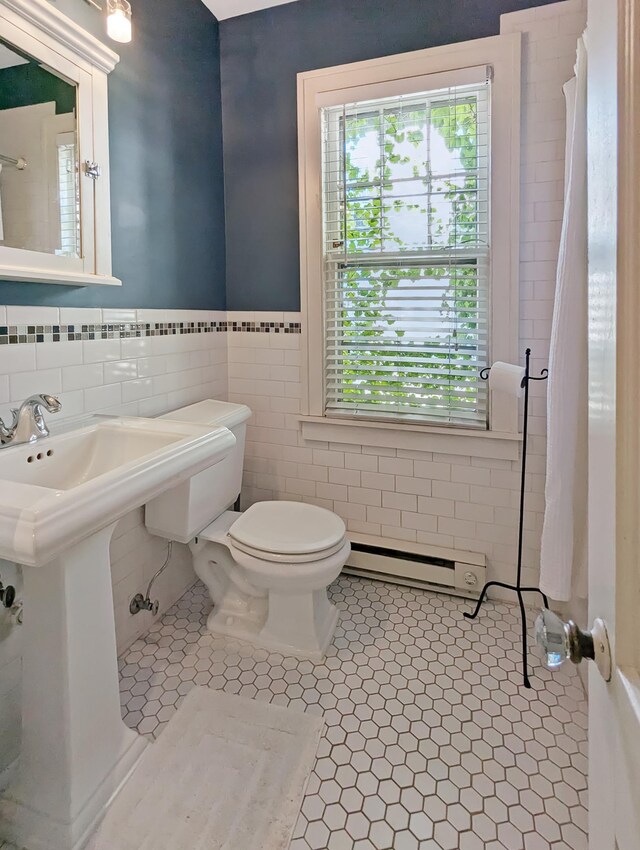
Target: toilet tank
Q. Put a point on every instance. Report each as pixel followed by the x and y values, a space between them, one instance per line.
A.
pixel 182 512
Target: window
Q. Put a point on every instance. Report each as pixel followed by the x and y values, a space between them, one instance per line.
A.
pixel 406 255
pixel 409 173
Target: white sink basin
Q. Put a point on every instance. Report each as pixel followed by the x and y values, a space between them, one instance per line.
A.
pixel 63 488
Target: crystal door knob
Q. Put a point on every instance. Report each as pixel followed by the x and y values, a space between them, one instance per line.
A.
pixel 560 642
pixel 552 636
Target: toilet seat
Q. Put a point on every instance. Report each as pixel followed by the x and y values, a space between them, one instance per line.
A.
pixel 294 532
pixel 277 557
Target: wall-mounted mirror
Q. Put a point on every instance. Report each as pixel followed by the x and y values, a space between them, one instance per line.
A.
pixel 39 165
pixel 54 148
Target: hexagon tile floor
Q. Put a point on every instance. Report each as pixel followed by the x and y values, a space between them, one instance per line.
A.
pixel 431 742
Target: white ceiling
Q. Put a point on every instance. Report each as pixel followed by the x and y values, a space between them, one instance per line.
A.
pixel 223 9
pixel 8 58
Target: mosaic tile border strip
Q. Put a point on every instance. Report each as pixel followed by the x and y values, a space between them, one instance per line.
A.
pixel 264 327
pixel 23 334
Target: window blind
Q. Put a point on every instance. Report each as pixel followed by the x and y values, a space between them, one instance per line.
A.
pixel 68 196
pixel 406 255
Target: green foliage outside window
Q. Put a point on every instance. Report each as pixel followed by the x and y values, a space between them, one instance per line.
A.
pixel 384 351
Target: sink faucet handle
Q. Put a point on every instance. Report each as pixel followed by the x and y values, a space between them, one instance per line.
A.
pixel 50 403
pixel 29 424
pixel 6 431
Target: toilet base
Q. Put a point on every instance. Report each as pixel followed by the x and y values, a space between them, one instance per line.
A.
pixel 254 630
pixel 305 621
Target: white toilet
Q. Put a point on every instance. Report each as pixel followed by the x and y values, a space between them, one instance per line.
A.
pixel 267 569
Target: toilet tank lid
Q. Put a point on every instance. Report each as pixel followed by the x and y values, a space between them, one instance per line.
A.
pixel 211 412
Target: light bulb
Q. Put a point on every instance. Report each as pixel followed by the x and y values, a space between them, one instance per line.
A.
pixel 119 20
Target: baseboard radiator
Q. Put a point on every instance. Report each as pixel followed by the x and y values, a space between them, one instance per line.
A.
pixel 452 571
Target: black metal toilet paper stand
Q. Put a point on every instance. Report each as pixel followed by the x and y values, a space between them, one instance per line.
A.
pixel 517 587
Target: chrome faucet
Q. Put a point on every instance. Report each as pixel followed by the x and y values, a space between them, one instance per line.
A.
pixel 28 422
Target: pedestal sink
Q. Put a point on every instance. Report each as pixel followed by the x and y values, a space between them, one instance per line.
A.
pixel 59 501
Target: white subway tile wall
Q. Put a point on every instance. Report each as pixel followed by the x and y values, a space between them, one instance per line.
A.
pixel 446 500
pixel 135 376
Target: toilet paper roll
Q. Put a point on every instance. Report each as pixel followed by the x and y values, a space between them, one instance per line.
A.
pixel 506 378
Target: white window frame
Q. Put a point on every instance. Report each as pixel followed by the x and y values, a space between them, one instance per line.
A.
pixel 386 77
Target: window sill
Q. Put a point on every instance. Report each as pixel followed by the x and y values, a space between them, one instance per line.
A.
pixel 423 438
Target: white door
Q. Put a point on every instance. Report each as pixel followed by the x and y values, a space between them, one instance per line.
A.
pixel 614 418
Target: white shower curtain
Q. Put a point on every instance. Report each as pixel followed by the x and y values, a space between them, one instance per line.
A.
pixel 564 550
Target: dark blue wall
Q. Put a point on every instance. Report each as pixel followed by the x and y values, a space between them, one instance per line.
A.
pixel 25 85
pixel 166 164
pixel 260 56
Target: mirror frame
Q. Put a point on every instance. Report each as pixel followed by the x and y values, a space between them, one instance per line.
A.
pixel 39 29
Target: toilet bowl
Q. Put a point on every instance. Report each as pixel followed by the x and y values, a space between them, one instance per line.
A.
pixel 267 570
pixel 265 591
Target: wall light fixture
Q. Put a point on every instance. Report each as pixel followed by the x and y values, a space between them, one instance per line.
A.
pixel 118 19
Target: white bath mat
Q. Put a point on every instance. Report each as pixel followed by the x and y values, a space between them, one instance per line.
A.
pixel 227 773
